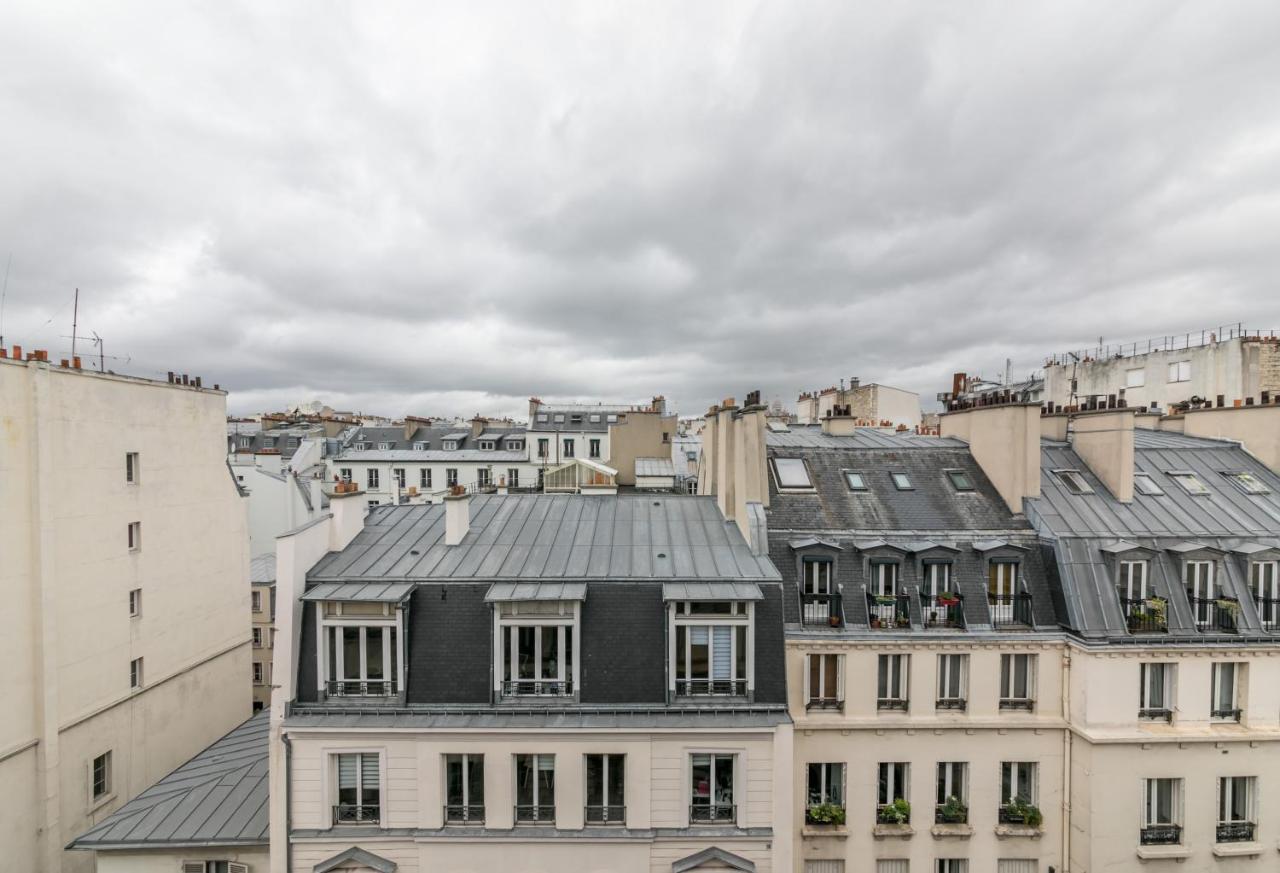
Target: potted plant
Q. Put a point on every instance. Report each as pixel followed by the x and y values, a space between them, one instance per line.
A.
pixel 1229 606
pixel 875 621
pixel 948 598
pixel 953 811
pixel 896 813
pixel 885 600
pixel 825 814
pixel 1159 610
pixel 903 621
pixel 834 620
pixel 1019 811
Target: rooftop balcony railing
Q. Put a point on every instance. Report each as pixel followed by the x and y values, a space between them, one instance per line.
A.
pixel 709 813
pixel 823 610
pixel 536 688
pixel 1161 835
pixel 1268 612
pixel 608 814
pixel 1235 831
pixel 360 688
pixel 1220 614
pixel 943 610
pixel 1146 615
pixel 1010 611
pixel 711 687
pixel 356 813
pixel 464 813
pixel 888 611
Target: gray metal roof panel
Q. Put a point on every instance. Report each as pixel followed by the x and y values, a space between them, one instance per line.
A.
pixel 219 797
pixel 711 591
pixel 512 591
pixel 655 467
pixel 373 592
pixel 811 436
pixel 262 570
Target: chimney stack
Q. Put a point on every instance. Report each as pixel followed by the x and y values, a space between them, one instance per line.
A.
pixel 1104 441
pixel 457 517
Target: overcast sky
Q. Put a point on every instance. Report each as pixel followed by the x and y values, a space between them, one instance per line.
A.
pixel 446 210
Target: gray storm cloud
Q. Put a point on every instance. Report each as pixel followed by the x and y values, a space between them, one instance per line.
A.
pixel 447 208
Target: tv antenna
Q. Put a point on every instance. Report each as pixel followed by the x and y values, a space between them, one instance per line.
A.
pixel 4 291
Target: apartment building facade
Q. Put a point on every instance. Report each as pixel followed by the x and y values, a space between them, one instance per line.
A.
pixel 630 440
pixel 871 402
pixel 537 682
pixel 122 524
pixel 262 609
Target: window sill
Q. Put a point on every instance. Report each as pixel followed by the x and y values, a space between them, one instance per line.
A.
pixel 1235 850
pixel 1004 831
pixel 1151 853
pixel 840 832
pixel 964 830
pixel 902 831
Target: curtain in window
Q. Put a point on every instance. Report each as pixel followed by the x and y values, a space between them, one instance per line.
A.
pixel 1016 865
pixel 722 649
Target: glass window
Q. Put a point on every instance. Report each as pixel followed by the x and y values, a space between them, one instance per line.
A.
pixel 826 685
pixel 361 661
pixel 424 477
pixel 1235 809
pixel 102 775
pixel 593 448
pixel 711 791
pixel 1249 483
pixel 826 784
pixel 464 788
pixel 1017 681
pixel 1135 378
pixel 372 478
pixel 536 788
pixel 131 468
pixel 1180 371
pixel 953 675
pixel 568 448
pixel 1074 482
pixel 1162 804
pixel 135 673
pixel 1197 577
pixel 855 481
pixel 537 659
pixel 1190 483
pixel 1264 582
pixel 791 473
pixel 1225 691
pixel 891 681
pixel 894 780
pixel 953 790
pixel 606 791
pixel 1155 690
pixel 359 789
pixel 1017 865
pixel 901 481
pixel 960 480
pixel 1018 782
pixel 817 575
pixel 1144 484
pixel 398 472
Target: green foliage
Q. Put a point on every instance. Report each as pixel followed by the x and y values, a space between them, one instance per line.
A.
pixel 898 812
pixel 953 811
pixel 826 814
pixel 1019 809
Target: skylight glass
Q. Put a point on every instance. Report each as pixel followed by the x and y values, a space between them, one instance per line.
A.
pixel 1144 484
pixel 960 480
pixel 1248 482
pixel 855 481
pixel 1190 483
pixel 791 473
pixel 1075 483
pixel 901 481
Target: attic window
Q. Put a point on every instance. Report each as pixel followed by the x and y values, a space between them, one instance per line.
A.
pixel 360 447
pixel 1190 482
pixel 382 447
pixel 559 418
pixel 1075 483
pixel 791 474
pixel 486 445
pixel 419 447
pixel 576 419
pixel 1247 482
pixel 855 480
pixel 901 481
pixel 1144 484
pixel 450 445
pixel 595 418
pixel 542 416
pixel 960 480
pixel 612 419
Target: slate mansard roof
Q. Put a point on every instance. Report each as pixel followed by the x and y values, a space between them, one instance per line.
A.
pixel 551 536
pixel 401 448
pixel 218 798
pixel 1092 532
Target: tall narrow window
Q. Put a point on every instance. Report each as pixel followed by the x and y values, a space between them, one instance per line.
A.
pixel 1017 788
pixel 816 601
pixel 451 477
pixel 359 799
pixel 513 477
pixel 424 477
pixel 362 660
pixel 941 599
pixel 953 676
pixel 1225 690
pixel 567 450
pixel 135 673
pixel 1002 593
pixel 887 608
pixel 372 478
pixel 1017 681
pixel 891 682
pixel 1236 813
pixel 543 448
pixel 892 786
pixel 1264 582
pixel 101 776
pixel 1161 812
pixel 1155 694
pixel 711 791
pixel 255 601
pixel 135 536
pixel 953 793
pixel 135 603
pixel 711 648
pixel 593 449
pixel 484 477
pixel 606 789
pixel 398 472
pixel 1197 576
pixel 536 789
pixel 257 672
pixel 131 470
pixel 464 789
pixel 826 681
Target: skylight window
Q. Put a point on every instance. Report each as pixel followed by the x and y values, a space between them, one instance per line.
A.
pixel 1144 484
pixel 559 418
pixel 901 481
pixel 960 480
pixel 1075 483
pixel 791 473
pixel 1247 482
pixel 595 418
pixel 542 416
pixel 1190 483
pixel 856 481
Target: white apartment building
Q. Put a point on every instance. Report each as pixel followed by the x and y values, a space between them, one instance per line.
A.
pixel 125 555
pixel 262 608
pixel 633 442
pixel 871 403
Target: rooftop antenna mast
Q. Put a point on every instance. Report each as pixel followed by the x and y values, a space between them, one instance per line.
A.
pixel 4 291
pixel 75 318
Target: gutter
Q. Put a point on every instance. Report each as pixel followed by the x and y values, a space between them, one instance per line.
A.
pixel 288 796
pixel 1067 746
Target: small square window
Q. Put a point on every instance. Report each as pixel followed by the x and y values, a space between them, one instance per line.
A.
pixel 901 481
pixel 856 481
pixel 135 673
pixel 1135 378
pixel 960 480
pixel 791 473
pixel 1074 482
pixel 1190 483
pixel 1144 484
pixel 1180 371
pixel 1248 482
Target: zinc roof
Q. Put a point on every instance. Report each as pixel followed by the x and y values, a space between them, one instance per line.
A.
pixel 218 798
pixel 810 436
pixel 262 570
pixel 551 536
pixel 654 467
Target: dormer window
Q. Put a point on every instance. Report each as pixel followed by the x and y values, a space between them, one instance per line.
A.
pixel 360 447
pixel 855 480
pixel 269 443
pixel 382 447
pixel 246 442
pixel 293 442
pixel 559 418
pixel 1073 481
pixel 960 480
pixel 575 419
pixel 420 447
pixel 537 648
pixel 1144 484
pixel 542 416
pixel 595 418
pixel 901 481
pixel 450 445
pixel 515 445
pixel 612 419
pixel 1190 482
pixel 791 474
pixel 1247 482
pixel 486 445
pixel 712 641
pixel 360 648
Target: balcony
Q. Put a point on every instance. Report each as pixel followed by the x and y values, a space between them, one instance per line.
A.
pixel 1156 714
pixel 1221 614
pixel 1235 832
pixel 711 687
pixel 1146 616
pixel 888 611
pixel 1024 704
pixel 822 610
pixel 1161 835
pixel 459 813
pixel 533 813
pixel 1225 714
pixel 536 688
pixel 360 688
pixel 1268 613
pixel 954 704
pixel 1010 611
pixel 356 813
pixel 892 704
pixel 824 703
pixel 713 813
pixel 944 610
pixel 609 814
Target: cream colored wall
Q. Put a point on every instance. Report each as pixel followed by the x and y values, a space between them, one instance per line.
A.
pixel 639 436
pixel 20 822
pixel 69 639
pixel 170 860
pixel 262 655
pixel 1258 427
pixel 896 405
pixel 1104 441
pixel 1005 441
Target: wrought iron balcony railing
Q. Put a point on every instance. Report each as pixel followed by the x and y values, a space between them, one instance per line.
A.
pixel 1010 610
pixel 898 704
pixel 1235 831
pixel 1220 614
pixel 1161 835
pixel 953 703
pixel 711 687
pixel 360 688
pixel 1020 703
pixel 535 813
pixel 608 814
pixel 1268 612
pixel 1230 714
pixel 1156 713
pixel 823 610
pixel 464 813
pixel 1145 616
pixel 888 611
pixel 536 688
pixel 824 703
pixel 943 610
pixel 356 813
pixel 703 813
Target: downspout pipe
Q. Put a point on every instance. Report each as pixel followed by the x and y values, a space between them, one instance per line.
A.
pixel 288 805
pixel 1067 744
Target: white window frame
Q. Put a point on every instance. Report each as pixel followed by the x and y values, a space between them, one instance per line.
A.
pixel 953 675
pixel 1074 481
pixel 450 477
pixel 816 665
pixel 135 603
pixel 831 783
pixel 1225 791
pixel 951 865
pixel 901 480
pixel 513 477
pixel 1199 582
pixel 777 466
pixel 566 447
pixel 484 477
pixel 593 448
pixel 330 615
pixel 259 673
pixel 1016 769
pixel 717 761
pixel 397 473
pixel 132 471
pixel 1166 683
pixel 893 670
pixel 373 479
pixel 1220 676
pixel 1009 699
pixel 1151 801
pixel 257 637
pixel 607 779
pixel 947 774
pixel 135 536
pixel 94 794
pixel 1134 576
pixel 1141 377
pixel 1179 371
pixel 680 615
pixel 467 759
pixel 136 679
pixel 255 601
pixel 1264 584
pixel 508 619
pixel 384 447
pixel 538 758
pixel 424 477
pixel 335 785
pixel 419 446
pixel 893 781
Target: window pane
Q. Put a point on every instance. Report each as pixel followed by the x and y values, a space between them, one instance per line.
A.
pixel 700 790
pixel 351 653
pixel 525 652
pixel 595 780
pixel 617 780
pixel 373 653
pixel 700 652
pixel 791 473
pixel 453 779
pixel 550 660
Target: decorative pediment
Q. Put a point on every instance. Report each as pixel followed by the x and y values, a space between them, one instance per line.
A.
pixel 356 858
pixel 713 858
